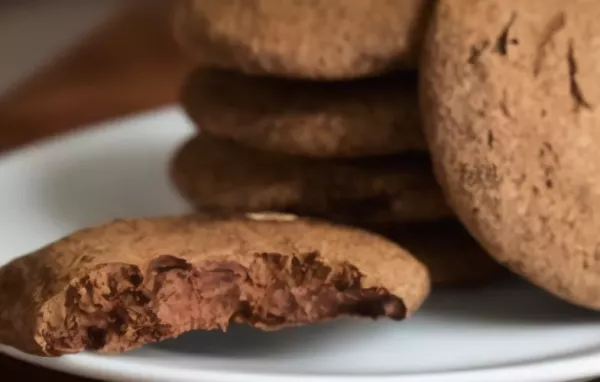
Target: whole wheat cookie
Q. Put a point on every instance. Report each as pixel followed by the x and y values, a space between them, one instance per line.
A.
pixel 127 283
pixel 376 116
pixel 452 256
pixel 323 39
pixel 510 99
pixel 217 175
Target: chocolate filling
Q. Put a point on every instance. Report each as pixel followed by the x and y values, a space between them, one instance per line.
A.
pixel 116 308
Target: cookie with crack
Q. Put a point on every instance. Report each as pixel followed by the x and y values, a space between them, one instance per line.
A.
pixel 217 175
pixel 510 103
pixel 366 117
pixel 323 39
pixel 452 256
pixel 121 285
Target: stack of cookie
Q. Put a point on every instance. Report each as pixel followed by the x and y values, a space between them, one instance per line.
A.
pixel 311 108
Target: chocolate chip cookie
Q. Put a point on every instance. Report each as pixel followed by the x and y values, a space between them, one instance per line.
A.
pixel 511 108
pixel 366 117
pixel 127 283
pixel 452 256
pixel 217 175
pixel 323 39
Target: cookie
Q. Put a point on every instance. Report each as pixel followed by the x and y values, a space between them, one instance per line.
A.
pixel 127 283
pixel 217 175
pixel 377 116
pixel 511 107
pixel 323 39
pixel 452 256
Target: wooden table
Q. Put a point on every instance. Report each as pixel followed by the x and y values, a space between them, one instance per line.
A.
pixel 128 65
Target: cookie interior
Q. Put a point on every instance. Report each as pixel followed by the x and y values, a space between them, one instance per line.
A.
pixel 117 307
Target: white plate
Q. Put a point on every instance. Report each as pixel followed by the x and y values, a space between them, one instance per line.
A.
pixel 511 332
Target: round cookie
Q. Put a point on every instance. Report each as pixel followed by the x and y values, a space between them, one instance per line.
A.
pixel 323 39
pixel 121 285
pixel 452 256
pixel 511 108
pixel 217 175
pixel 376 116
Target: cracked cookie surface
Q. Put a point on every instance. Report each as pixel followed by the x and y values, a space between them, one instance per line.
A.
pixel 510 103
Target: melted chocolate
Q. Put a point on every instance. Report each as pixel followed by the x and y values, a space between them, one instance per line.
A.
pixel 117 308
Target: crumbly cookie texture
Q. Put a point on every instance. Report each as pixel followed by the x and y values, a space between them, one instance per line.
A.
pixel 510 103
pixel 127 283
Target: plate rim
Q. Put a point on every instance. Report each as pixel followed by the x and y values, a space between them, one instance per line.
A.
pixel 587 366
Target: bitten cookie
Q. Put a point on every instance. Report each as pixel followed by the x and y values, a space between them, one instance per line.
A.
pixel 127 283
pixel 452 256
pixel 323 39
pixel 510 99
pixel 219 176
pixel 344 119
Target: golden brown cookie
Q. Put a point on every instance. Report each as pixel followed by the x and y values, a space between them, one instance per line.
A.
pixel 452 256
pixel 121 285
pixel 323 39
pixel 220 176
pixel 510 99
pixel 377 116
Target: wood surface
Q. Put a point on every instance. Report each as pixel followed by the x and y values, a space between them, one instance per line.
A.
pixel 128 65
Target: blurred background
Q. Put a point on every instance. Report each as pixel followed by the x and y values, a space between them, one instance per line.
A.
pixel 65 64
pixel 69 63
